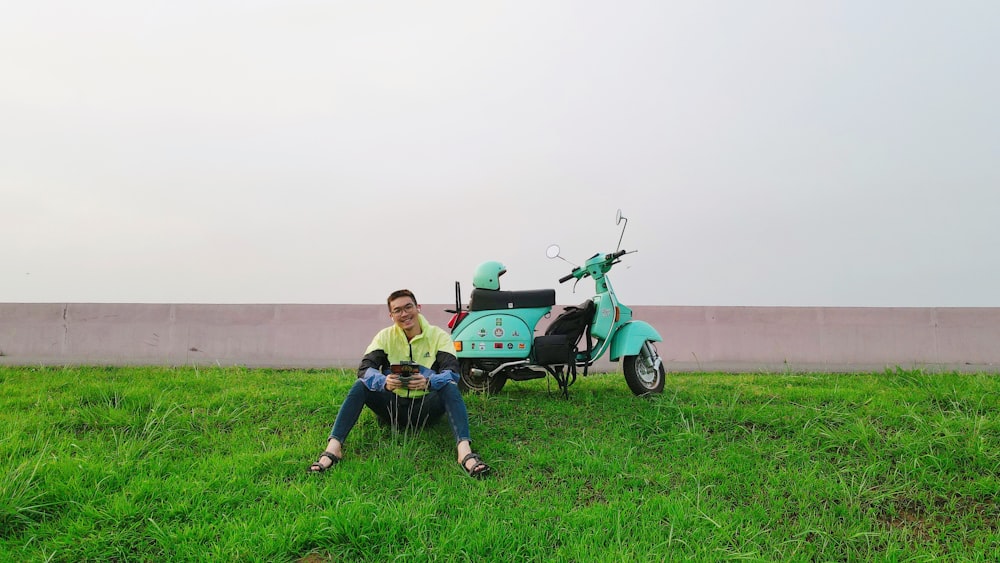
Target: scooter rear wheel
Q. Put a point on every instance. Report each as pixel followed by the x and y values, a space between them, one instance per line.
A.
pixel 469 383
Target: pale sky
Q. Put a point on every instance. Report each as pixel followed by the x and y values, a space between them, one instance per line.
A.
pixel 766 153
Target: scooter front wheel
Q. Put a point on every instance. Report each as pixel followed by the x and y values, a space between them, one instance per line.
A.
pixel 474 379
pixel 644 372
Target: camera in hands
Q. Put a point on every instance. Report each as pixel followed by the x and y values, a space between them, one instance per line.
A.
pixel 405 370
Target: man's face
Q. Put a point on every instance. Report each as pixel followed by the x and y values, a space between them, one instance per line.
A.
pixel 404 312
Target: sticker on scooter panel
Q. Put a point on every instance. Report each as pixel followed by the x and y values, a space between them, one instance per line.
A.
pixel 520 346
pixel 499 321
pixel 498 345
pixel 498 332
pixel 606 312
pixel 510 345
pixel 482 333
pixel 515 334
pixel 482 346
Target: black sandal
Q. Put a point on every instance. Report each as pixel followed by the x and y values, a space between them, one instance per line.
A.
pixel 318 467
pixel 479 470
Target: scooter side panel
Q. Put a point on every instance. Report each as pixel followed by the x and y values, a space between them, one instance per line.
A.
pixel 630 337
pixel 498 334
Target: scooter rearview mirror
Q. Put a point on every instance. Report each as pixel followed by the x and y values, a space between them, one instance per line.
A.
pixel 552 251
pixel 618 221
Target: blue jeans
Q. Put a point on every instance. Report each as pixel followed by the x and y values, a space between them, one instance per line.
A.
pixel 401 412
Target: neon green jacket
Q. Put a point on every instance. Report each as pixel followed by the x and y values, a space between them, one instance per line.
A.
pixel 432 349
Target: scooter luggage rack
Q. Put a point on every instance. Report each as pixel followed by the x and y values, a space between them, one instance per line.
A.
pixel 531 366
pixel 562 380
pixel 506 365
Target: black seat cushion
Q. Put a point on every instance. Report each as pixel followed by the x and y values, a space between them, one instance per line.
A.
pixel 485 299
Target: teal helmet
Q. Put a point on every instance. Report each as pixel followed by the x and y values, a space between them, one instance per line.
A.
pixel 487 275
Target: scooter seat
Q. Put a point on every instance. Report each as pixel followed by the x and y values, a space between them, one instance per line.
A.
pixel 487 299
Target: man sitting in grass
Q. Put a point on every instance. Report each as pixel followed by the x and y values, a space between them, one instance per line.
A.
pixel 402 399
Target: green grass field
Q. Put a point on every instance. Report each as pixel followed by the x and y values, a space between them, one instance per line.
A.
pixel 186 464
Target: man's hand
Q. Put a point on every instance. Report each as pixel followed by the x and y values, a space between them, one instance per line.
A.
pixel 419 383
pixel 392 382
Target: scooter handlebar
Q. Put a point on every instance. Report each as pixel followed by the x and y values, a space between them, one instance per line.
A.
pixel 608 257
pixel 570 275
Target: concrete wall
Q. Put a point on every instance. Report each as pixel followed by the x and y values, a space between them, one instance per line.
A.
pixel 736 339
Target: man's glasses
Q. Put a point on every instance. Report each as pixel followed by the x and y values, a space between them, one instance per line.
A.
pixel 409 308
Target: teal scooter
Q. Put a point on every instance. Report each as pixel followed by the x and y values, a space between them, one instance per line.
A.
pixel 495 337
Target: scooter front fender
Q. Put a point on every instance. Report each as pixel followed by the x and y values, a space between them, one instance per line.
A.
pixel 629 338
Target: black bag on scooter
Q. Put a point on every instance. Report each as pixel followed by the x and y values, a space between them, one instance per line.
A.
pixel 574 322
pixel 561 343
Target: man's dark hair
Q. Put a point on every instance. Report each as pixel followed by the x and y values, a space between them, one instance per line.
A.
pixel 400 293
